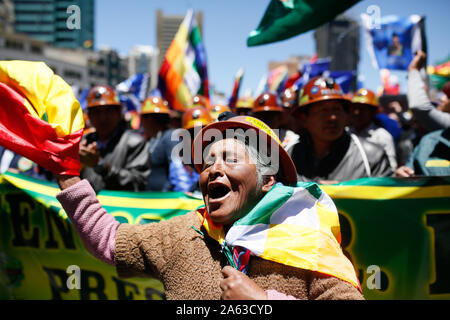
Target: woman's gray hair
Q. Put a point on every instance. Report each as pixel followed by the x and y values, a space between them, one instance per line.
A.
pixel 263 167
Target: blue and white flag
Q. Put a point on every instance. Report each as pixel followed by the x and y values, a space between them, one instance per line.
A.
pixel 343 78
pixel 132 91
pixel 393 41
pixel 136 84
pixel 311 70
pixel 82 98
pixel 130 102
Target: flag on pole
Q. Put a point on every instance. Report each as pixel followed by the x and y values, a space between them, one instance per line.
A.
pixel 183 73
pixel 262 86
pixel 277 78
pixel 237 85
pixel 137 84
pixel 344 79
pixel 313 69
pixel 132 92
pixel 284 19
pixel 393 43
pixel 40 118
pixel 439 74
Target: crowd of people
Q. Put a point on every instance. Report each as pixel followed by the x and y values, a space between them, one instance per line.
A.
pixel 318 134
pixel 331 136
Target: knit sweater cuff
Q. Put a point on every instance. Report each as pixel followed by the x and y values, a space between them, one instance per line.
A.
pixel 96 228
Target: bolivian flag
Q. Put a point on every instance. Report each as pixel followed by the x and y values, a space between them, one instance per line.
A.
pixel 295 226
pixel 40 118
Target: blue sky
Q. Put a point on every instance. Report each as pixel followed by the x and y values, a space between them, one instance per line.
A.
pixel 226 25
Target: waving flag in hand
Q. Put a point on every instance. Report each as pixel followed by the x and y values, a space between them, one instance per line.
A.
pixel 40 118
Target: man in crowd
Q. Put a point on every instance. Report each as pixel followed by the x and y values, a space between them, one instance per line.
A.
pixel 363 114
pixel 326 151
pixel 427 115
pixel 113 157
pixel 155 119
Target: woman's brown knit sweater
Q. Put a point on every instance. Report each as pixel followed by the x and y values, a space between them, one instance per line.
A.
pixel 189 264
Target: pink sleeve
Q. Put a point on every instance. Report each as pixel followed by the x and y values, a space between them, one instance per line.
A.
pixel 275 295
pixel 96 228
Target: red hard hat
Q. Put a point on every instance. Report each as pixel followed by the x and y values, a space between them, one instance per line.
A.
pixel 200 101
pixel 155 105
pixel 366 96
pixel 217 109
pixel 246 122
pixel 102 95
pixel 194 117
pixel 320 89
pixel 244 103
pixel 266 101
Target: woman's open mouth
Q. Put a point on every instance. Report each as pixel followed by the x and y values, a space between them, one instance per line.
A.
pixel 217 191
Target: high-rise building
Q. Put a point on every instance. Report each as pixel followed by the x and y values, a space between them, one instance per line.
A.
pixel 293 63
pixel 62 23
pixel 339 40
pixel 6 16
pixel 166 28
pixel 144 59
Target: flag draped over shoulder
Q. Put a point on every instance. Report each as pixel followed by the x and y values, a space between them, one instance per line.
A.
pixel 284 19
pixel 183 72
pixel 40 118
pixel 295 226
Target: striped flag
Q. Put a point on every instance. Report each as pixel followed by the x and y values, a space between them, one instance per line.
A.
pixel 183 72
pixel 295 226
pixel 277 78
pixel 40 118
pixel 237 85
pixel 439 74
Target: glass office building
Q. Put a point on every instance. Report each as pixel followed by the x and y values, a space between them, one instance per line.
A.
pixel 64 24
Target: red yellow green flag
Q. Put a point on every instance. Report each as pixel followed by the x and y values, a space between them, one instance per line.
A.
pixel 40 118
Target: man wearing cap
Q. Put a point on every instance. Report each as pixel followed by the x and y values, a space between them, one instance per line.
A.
pixel 155 119
pixel 239 245
pixel 113 157
pixel 326 151
pixel 363 113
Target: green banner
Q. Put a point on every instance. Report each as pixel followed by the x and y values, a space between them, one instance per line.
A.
pixel 395 231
